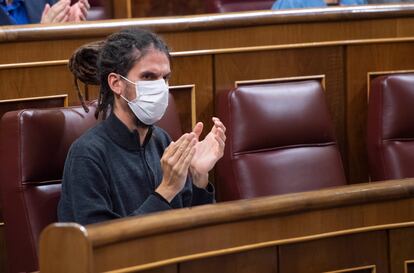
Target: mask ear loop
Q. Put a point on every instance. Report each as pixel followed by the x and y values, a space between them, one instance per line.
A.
pixel 131 82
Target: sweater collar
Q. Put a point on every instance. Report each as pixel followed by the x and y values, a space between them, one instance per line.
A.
pixel 121 134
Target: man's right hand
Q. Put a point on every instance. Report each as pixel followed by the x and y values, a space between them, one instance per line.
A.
pixel 58 13
pixel 175 163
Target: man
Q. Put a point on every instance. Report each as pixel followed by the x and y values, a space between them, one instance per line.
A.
pixel 125 166
pixel 17 12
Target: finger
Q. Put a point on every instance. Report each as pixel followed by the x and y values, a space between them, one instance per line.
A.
pixel 187 156
pixel 221 143
pixel 218 123
pixel 220 133
pixel 176 145
pixel 45 10
pixel 181 150
pixel 84 12
pixel 86 4
pixel 198 128
pixel 58 11
pixel 62 15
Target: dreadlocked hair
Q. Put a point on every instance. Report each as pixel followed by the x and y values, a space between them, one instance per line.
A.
pixel 119 53
pixel 83 65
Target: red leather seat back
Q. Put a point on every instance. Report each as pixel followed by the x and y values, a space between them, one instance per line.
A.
pixel 390 132
pixel 280 140
pixel 33 148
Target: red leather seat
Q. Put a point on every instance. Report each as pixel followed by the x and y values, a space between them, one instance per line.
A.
pixel 279 140
pixel 33 148
pixel 390 132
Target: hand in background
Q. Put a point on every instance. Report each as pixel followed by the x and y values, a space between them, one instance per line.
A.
pixel 79 11
pixel 57 13
pixel 207 152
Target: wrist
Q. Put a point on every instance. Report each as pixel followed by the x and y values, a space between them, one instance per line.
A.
pixel 168 193
pixel 200 180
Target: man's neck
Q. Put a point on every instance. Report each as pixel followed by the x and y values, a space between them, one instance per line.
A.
pixel 129 120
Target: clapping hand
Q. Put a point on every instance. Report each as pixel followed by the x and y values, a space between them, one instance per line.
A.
pixel 63 12
pixel 207 152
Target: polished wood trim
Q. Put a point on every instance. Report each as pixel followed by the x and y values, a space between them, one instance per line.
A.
pixel 91 29
pixel 321 78
pixel 232 250
pixel 193 100
pixel 373 267
pixel 122 229
pixel 236 50
pixel 292 46
pixel 62 96
pixel 33 64
pixel 406 263
pixel 371 75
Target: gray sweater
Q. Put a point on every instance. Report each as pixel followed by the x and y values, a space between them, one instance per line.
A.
pixel 109 175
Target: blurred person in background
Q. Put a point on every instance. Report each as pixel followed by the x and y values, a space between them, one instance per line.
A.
pixel 297 4
pixel 17 12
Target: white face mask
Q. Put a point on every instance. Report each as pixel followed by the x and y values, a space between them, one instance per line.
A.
pixel 151 100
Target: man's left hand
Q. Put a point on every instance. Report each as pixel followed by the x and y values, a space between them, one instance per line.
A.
pixel 208 152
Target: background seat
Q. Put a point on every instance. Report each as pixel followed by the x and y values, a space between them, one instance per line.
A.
pixel 280 140
pixel 390 127
pixel 33 148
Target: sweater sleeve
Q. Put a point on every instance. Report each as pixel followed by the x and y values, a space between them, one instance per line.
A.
pixel 194 196
pixel 86 195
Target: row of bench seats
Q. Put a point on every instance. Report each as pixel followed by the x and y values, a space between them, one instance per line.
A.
pixel 280 140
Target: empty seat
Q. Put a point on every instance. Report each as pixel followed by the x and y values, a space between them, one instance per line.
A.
pixel 279 140
pixel 33 147
pixel 390 127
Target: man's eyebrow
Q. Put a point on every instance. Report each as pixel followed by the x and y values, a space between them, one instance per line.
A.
pixel 149 74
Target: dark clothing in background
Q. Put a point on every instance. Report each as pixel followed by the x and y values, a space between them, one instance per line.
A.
pixel 34 10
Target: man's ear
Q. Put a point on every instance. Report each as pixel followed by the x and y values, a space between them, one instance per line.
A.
pixel 115 83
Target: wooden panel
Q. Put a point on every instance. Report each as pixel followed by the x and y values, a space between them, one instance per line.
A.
pixel 410 267
pixel 401 249
pixel 47 79
pixel 150 8
pixel 362 269
pixel 197 71
pixel 328 61
pixel 334 254
pixel 52 49
pixel 39 102
pixel 362 59
pixel 164 269
pixel 327 230
pixel 184 96
pixel 260 260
